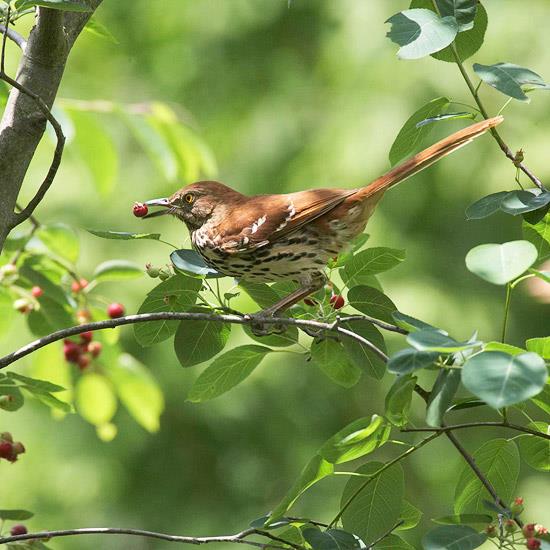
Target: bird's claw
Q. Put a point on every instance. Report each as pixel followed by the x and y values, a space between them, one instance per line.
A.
pixel 259 327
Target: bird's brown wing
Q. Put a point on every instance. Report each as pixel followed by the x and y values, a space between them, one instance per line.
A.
pixel 267 219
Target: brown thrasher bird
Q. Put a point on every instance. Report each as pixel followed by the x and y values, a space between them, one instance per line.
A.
pixel 266 238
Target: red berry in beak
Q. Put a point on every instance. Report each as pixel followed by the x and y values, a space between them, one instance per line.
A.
pixel 140 209
pixel 115 310
pixel 337 301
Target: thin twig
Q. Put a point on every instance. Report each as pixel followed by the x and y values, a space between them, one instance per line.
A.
pixel 14 37
pixel 186 316
pixel 386 534
pixel 58 153
pixel 239 538
pixel 480 425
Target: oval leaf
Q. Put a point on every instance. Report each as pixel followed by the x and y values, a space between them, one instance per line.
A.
pixel 95 399
pixel 61 239
pixel 329 356
pixel 453 537
pixel 501 263
pixel 372 302
pixel 486 206
pixel 370 262
pixel 435 340
pixel 124 235
pixel 535 450
pixel 360 354
pixel 192 263
pixel 409 360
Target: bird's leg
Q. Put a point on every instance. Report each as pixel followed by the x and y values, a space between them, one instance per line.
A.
pixel 299 294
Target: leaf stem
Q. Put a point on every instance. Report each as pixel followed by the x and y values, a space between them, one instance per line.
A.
pixel 506 311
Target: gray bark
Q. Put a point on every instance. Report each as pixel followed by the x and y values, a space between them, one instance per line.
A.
pixel 22 127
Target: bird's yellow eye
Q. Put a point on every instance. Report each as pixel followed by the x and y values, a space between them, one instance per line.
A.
pixel 188 198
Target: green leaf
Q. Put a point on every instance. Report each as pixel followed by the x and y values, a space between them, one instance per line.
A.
pixel 61 239
pixel 409 323
pixel 434 340
pixel 264 295
pixel 95 399
pixel 467 42
pixel 464 11
pixel 535 450
pixel 441 396
pixel 176 294
pixel 521 201
pixel 97 28
pixel 7 313
pixel 377 506
pixel 18 515
pixel 409 359
pixel 316 469
pixel 486 206
pixel 331 539
pixel 124 235
pixel 498 459
pixel 412 137
pixel 542 400
pixel 43 272
pixel 360 354
pixel 226 372
pixel 501 263
pixel 540 346
pixel 96 149
pixel 421 32
pixel 506 348
pixel 509 79
pixel 137 390
pixel 191 262
pixel 65 5
pixel 410 515
pixel 357 439
pixel 370 262
pixel 448 116
pixel 53 402
pixel 198 341
pixel 50 317
pixel 501 379
pixel 453 537
pixel 539 236
pixel 372 302
pixel 117 270
pixel 329 356
pixel 355 246
pixel 398 400
pixel 393 542
pixel 11 398
pixel 34 385
pixel 475 520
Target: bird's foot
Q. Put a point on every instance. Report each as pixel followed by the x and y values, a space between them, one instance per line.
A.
pixel 259 327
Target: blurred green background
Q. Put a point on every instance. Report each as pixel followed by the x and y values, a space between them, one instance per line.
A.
pixel 287 97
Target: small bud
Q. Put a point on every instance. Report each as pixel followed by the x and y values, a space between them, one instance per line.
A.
pixel 518 500
pixel 518 157
pixel 94 348
pixel 18 530
pixel 517 506
pixel 337 301
pixel 510 526
pixel 152 271
pixel 83 316
pixel 532 544
pixel 491 530
pixel 164 273
pixel 115 310
pixel 83 361
pixel 6 436
pixel 22 305
pixel 8 270
pixel 36 291
pixel 139 209
pixel 528 530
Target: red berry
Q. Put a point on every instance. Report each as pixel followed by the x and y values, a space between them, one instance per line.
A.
pixel 83 283
pixel 6 449
pixel 337 301
pixel 75 287
pixel 140 209
pixel 86 337
pixel 94 348
pixel 72 352
pixel 533 544
pixel 83 361
pixel 115 310
pixel 18 529
pixel 518 501
pixel 36 291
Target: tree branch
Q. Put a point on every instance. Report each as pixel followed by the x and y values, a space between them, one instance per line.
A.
pixel 239 538
pixel 14 36
pixel 28 109
pixel 480 425
pixel 184 316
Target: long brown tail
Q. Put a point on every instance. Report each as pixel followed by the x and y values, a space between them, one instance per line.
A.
pixel 428 156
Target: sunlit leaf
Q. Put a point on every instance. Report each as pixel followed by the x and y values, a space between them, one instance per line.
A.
pixel 7 313
pixel 226 371
pixel 475 520
pixel 123 235
pixel 398 400
pixel 97 28
pixel 539 236
pixel 540 346
pixel 447 116
pixel 498 459
pixel 501 263
pixel 535 450
pixel 501 379
pixel 410 515
pixel 61 239
pixel 411 137
pixel 95 399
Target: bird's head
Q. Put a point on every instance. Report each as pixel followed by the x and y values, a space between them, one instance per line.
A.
pixel 196 203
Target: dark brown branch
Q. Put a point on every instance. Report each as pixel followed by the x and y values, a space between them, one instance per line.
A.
pixel 179 316
pixel 239 538
pixel 480 425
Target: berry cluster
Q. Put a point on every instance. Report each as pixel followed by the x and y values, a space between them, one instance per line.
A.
pixel 81 353
pixel 163 272
pixel 78 286
pixel 10 449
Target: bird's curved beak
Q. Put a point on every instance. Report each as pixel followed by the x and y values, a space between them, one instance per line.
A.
pixel 164 203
